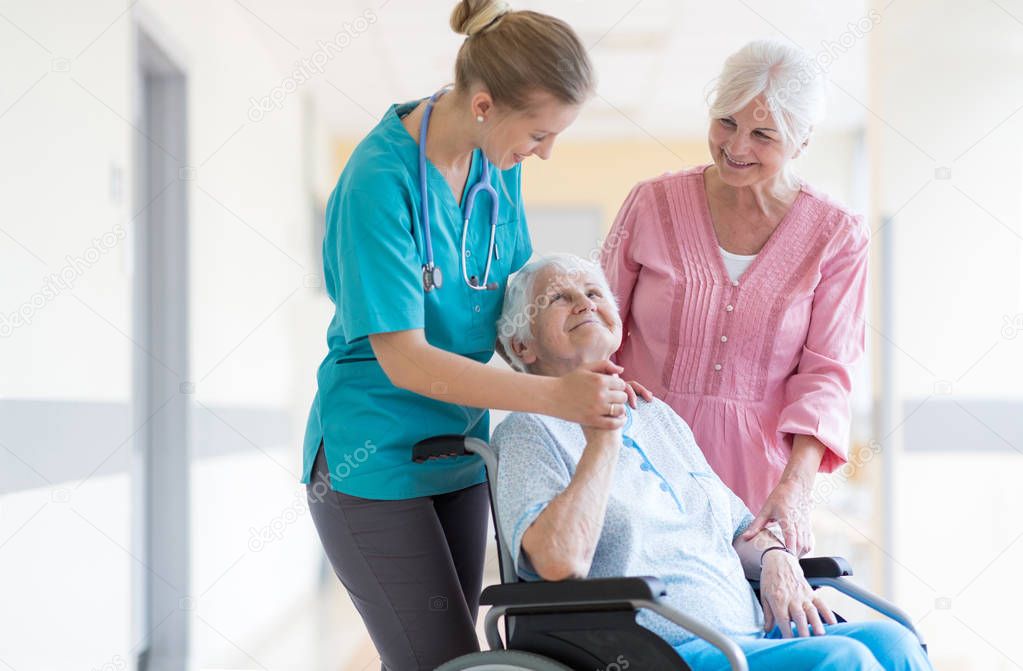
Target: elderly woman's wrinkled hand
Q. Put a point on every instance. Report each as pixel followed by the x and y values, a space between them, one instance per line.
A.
pixel 787 598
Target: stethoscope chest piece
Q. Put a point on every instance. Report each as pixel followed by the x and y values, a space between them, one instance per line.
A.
pixel 432 278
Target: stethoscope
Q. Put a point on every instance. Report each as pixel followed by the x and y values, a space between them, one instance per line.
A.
pixel 431 274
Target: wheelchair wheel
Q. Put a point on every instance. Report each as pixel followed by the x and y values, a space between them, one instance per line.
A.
pixel 502 660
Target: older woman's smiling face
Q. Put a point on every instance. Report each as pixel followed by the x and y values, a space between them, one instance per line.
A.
pixel 747 146
pixel 577 322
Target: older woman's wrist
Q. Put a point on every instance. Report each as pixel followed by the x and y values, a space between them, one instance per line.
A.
pixel 805 459
pixel 803 474
pixel 778 549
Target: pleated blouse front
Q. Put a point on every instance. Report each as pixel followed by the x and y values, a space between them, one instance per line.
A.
pixel 747 363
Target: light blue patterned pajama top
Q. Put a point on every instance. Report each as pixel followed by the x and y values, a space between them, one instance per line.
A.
pixel 668 513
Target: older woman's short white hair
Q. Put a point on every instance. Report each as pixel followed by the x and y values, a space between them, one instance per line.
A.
pixel 520 308
pixel 792 82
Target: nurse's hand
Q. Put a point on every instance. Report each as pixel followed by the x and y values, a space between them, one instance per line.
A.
pixel 589 394
pixel 787 598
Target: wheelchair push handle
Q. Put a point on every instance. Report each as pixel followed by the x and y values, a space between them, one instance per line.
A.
pixel 439 447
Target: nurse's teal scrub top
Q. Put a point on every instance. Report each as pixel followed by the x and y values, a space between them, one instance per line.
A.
pixel 373 255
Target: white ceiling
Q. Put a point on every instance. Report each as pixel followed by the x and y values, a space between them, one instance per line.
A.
pixel 654 58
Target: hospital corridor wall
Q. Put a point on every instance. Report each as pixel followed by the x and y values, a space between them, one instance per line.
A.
pixel 72 137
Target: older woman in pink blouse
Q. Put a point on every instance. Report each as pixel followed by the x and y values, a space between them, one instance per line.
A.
pixel 742 292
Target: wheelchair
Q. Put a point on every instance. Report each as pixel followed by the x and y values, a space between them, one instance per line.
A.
pixel 590 624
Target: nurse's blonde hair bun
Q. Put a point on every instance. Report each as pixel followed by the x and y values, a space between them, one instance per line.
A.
pixel 513 54
pixel 471 17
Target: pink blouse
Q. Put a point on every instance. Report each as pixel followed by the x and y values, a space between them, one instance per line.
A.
pixel 749 363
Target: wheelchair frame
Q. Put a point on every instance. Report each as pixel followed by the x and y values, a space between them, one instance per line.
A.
pixel 590 611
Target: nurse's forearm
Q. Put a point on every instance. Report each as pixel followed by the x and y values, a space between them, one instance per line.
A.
pixel 412 363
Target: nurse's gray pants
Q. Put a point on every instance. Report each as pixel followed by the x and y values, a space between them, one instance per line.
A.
pixel 413 568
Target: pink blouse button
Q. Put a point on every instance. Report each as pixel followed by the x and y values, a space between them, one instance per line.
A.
pixel 729 307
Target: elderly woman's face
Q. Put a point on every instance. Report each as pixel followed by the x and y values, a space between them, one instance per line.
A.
pixel 576 322
pixel 747 146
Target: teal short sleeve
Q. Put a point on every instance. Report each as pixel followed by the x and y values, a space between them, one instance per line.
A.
pixel 380 284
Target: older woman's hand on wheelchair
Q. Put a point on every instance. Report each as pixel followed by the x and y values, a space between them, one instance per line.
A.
pixel 787 598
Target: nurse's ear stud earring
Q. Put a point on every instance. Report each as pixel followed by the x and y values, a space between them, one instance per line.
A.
pixel 480 119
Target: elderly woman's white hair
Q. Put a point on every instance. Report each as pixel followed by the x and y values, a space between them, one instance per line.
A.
pixel 519 311
pixel 791 81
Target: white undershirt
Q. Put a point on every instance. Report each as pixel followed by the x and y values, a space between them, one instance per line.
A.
pixel 736 264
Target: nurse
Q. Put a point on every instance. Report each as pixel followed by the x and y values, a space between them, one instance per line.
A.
pixel 418 293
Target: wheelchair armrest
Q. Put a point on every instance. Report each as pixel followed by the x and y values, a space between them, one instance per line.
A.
pixel 825 567
pixel 594 594
pixel 591 592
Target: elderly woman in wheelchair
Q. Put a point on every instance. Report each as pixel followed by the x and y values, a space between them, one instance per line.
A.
pixel 574 502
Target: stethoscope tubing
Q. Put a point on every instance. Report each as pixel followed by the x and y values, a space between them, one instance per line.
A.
pixel 424 220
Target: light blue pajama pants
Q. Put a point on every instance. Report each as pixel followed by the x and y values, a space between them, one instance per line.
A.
pixel 848 646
